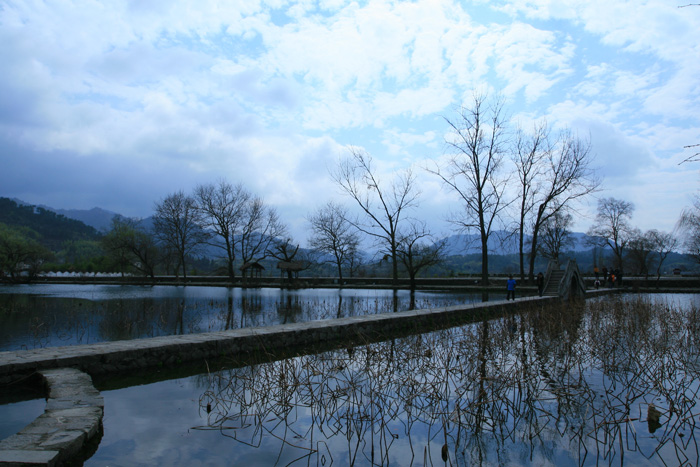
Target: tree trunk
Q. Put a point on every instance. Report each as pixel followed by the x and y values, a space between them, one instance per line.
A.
pixel 484 261
pixel 340 275
pixel 395 267
pixel 533 257
pixel 231 271
pixel 521 254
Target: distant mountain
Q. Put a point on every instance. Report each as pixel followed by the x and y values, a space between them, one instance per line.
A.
pixel 54 229
pixel 500 243
pixel 98 218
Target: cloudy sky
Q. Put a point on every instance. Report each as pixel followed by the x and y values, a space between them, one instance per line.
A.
pixel 117 104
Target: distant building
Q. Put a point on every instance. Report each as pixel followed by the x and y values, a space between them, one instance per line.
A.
pixel 255 268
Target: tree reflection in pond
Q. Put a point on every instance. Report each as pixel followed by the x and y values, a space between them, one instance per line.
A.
pixel 52 315
pixel 606 381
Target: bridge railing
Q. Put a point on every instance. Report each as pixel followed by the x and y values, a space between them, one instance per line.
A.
pixel 571 279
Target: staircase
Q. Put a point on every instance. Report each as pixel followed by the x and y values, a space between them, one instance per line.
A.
pixel 563 283
pixel 552 287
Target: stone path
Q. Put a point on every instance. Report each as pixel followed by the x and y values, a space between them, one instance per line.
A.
pixel 73 416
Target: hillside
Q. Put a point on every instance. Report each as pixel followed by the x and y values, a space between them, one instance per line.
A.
pixel 54 229
pixel 98 218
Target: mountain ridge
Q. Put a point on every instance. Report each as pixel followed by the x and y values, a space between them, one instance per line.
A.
pixel 500 243
pixel 97 218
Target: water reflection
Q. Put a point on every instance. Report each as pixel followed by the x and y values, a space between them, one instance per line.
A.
pixel 604 382
pixel 42 315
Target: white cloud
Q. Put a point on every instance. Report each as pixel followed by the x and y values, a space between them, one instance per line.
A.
pixel 166 95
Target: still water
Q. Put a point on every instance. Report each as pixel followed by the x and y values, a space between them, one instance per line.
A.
pixel 609 381
pixel 612 381
pixel 45 315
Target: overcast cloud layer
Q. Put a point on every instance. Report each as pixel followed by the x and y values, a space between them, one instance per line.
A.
pixel 117 104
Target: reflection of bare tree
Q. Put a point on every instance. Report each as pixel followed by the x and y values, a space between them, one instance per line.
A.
pixel 229 312
pixel 289 306
pixel 251 310
pixel 125 319
pixel 30 321
pixel 605 381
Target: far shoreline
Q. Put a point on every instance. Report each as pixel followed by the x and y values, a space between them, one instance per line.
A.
pixel 665 284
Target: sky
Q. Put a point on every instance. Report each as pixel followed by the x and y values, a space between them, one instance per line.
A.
pixel 117 104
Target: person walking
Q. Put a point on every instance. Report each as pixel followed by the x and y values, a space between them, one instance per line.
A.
pixel 540 283
pixel 510 288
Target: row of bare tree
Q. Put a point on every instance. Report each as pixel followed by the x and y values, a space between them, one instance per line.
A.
pixel 505 179
pixel 643 251
pixel 495 173
pixel 517 181
pixel 221 215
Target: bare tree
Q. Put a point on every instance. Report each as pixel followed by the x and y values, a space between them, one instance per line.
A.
pixel 639 251
pixel 566 176
pixel 664 244
pixel 222 207
pixel 693 158
pixel 261 226
pixel 177 225
pixel 477 145
pixel 689 226
pixel 291 258
pixel 334 235
pixel 556 235
pixel 612 226
pixel 355 260
pixel 528 153
pixel 417 250
pixel 382 205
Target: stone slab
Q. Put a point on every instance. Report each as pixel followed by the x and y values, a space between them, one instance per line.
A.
pixel 16 457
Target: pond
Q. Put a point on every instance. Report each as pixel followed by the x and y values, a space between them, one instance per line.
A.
pixel 611 381
pixel 608 381
pixel 49 315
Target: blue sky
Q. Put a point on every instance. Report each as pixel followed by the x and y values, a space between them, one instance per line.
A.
pixel 117 104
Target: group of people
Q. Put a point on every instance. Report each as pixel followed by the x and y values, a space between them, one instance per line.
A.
pixel 511 283
pixel 611 277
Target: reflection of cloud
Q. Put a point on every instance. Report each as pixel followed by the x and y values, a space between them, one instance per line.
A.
pixel 399 401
